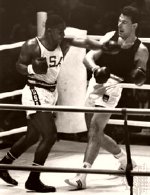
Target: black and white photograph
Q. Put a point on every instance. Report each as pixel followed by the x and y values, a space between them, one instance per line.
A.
pixel 74 97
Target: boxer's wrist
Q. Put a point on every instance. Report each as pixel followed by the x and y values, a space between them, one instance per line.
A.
pixel 30 69
pixel 94 68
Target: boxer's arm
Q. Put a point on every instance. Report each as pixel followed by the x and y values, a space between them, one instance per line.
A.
pixel 101 74
pixel 86 43
pixel 92 44
pixel 90 58
pixel 141 57
pixel 24 59
pixel 138 74
pixel 26 56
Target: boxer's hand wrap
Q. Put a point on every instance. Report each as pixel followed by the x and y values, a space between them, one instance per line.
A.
pixel 40 66
pixel 138 76
pixel 101 74
pixel 111 47
pixel 30 69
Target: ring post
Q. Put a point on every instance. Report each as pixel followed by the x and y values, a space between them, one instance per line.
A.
pixel 41 19
pixel 129 166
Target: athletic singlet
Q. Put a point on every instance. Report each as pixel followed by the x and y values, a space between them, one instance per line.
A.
pixel 122 63
pixel 54 61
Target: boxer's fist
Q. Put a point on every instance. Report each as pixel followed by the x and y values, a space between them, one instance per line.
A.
pixel 39 65
pixel 138 76
pixel 101 74
pixel 111 47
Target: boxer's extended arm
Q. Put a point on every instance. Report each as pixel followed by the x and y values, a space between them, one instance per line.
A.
pixel 91 44
pixel 84 43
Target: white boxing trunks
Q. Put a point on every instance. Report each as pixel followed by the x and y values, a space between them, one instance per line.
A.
pixel 105 95
pixel 38 96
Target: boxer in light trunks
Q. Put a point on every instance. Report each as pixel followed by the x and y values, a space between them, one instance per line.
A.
pixel 40 60
pixel 127 65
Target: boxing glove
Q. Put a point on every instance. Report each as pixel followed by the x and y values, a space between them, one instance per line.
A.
pixel 101 74
pixel 40 65
pixel 111 47
pixel 138 76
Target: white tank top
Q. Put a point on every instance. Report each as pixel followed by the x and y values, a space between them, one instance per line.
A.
pixel 54 60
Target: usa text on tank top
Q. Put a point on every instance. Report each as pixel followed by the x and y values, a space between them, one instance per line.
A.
pixel 54 60
pixel 122 63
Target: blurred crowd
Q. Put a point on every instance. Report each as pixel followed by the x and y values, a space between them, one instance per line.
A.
pixel 18 17
pixel 18 22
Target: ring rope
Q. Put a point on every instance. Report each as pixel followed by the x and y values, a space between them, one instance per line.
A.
pixel 70 170
pixel 129 111
pixel 130 123
pixel 13 131
pixel 11 46
pixel 10 94
pixel 110 122
pixel 123 85
pixel 133 86
pixel 19 44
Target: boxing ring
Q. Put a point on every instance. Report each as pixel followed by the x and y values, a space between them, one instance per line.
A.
pixel 61 160
pixel 129 173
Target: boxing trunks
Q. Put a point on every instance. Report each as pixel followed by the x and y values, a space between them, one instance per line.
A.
pixel 105 95
pixel 38 96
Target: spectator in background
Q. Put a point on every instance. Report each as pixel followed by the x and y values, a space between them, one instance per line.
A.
pixel 76 14
pixel 105 23
pixel 26 28
pixel 2 22
pixel 144 7
pixel 142 98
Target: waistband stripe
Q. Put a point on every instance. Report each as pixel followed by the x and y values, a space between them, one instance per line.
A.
pixel 48 87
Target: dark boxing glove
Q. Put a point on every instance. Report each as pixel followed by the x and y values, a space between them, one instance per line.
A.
pixel 138 76
pixel 39 65
pixel 111 47
pixel 101 74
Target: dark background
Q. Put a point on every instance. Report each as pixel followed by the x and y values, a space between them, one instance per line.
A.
pixel 18 23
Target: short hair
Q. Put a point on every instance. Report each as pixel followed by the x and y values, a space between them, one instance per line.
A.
pixel 131 12
pixel 53 20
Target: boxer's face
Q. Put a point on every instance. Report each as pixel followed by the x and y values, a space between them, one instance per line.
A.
pixel 125 27
pixel 57 33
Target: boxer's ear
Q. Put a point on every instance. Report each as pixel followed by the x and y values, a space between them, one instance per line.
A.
pixel 135 25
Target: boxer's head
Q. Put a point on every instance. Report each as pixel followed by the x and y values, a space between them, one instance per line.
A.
pixel 131 12
pixel 54 28
pixel 128 21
